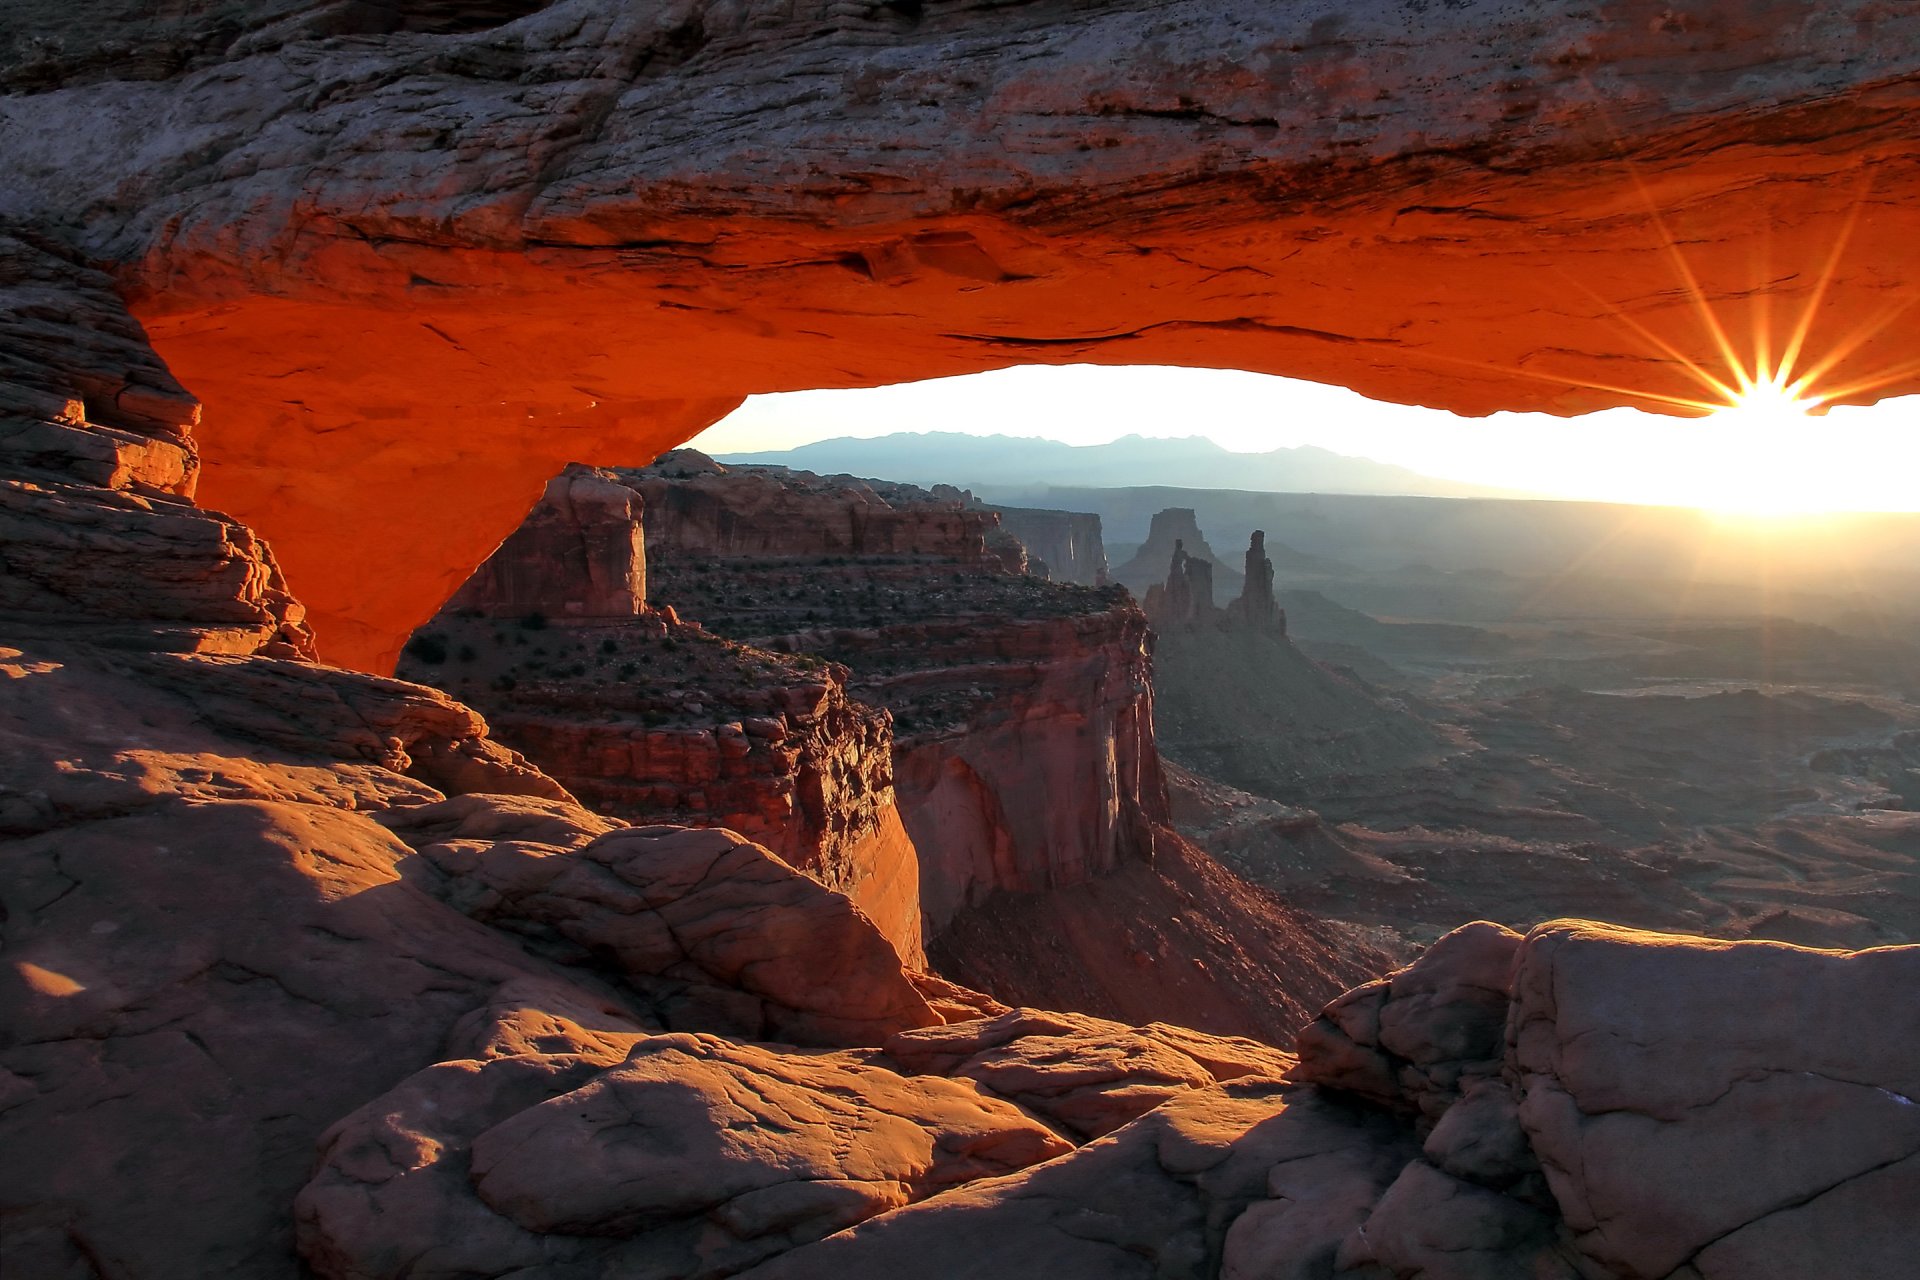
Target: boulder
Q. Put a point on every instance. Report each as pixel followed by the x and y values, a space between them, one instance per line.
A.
pixel 1745 1108
pixel 715 931
pixel 688 1156
pixel 1086 1076
pixel 1153 1199
pixel 1411 1040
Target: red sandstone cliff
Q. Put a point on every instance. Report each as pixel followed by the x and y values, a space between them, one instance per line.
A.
pixel 1023 710
pixel 653 720
pixel 1066 542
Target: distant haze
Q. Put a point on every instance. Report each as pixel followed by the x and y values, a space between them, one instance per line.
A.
pixel 999 463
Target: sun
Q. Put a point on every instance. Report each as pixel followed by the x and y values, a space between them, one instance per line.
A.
pixel 1767 403
pixel 1758 449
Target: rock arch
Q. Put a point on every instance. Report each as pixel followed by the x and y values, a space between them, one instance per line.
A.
pixel 409 275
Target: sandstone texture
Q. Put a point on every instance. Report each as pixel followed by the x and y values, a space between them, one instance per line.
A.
pixel 712 929
pixel 1436 1129
pixel 580 553
pixel 1595 1101
pixel 100 532
pixel 689 1155
pixel 414 259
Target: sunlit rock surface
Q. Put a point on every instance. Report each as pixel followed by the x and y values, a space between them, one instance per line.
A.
pixel 413 263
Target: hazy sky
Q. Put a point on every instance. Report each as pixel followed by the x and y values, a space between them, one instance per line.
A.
pixel 1851 459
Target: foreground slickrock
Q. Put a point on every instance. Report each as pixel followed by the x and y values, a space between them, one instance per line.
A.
pixel 689 1156
pixel 305 973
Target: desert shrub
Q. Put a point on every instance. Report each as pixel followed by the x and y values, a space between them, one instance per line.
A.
pixel 535 621
pixel 427 647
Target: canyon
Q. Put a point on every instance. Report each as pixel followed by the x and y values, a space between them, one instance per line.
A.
pixel 873 681
pixel 307 972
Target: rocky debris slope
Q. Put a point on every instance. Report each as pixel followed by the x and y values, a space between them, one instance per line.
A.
pixel 344 222
pixel 1247 707
pixel 1182 939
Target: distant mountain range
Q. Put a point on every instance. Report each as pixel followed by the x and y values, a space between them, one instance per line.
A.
pixel 945 457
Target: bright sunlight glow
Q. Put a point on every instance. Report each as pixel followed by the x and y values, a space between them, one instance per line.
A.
pixel 1762 470
pixel 1776 438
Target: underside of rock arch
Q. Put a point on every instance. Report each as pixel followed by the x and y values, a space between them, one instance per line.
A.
pixel 410 265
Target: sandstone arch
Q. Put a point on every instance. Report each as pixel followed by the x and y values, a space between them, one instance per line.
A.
pixel 410 273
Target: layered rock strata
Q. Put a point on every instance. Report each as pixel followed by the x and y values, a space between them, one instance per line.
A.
pixel 1022 710
pixel 99 534
pixel 579 554
pixel 655 720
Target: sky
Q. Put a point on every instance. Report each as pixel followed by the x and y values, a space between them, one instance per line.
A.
pixel 1772 461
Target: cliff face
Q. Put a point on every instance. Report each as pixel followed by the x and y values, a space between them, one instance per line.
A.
pixel 656 721
pixel 580 553
pixel 1066 542
pixel 1024 748
pixel 345 227
pixel 653 720
pixel 1022 710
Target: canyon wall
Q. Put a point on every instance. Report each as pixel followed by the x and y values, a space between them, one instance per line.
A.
pixel 1067 542
pixel 653 720
pixel 305 974
pixel 580 553
pixel 1022 710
